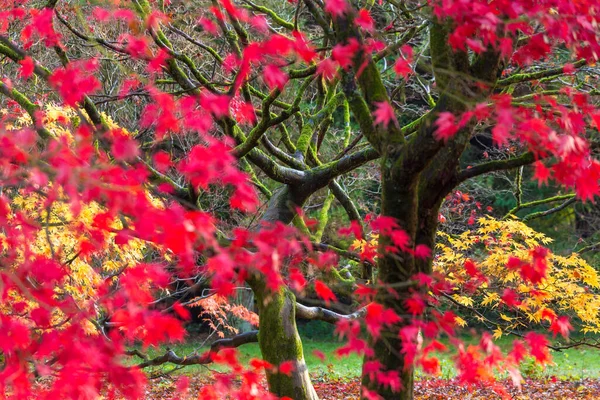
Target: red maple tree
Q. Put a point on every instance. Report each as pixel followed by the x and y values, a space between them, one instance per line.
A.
pixel 171 103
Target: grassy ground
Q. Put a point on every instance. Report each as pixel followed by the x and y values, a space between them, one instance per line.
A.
pixel 575 363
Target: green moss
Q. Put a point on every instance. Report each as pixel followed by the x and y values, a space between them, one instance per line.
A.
pixel 323 217
pixel 372 85
pixel 280 341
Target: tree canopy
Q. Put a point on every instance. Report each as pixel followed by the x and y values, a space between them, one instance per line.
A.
pixel 162 155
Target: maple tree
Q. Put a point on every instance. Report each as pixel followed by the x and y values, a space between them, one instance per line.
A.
pixel 168 108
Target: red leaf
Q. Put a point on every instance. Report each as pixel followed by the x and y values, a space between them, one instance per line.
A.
pixel 568 68
pixel 369 395
pixel 336 7
pixel 446 126
pixel 260 364
pixel 27 67
pixel 182 312
pixel 471 269
pixel 384 114
pixel 475 45
pixel 538 347
pixel 384 224
pixel 561 325
pixel 415 304
pixel 541 173
pixel 297 280
pixel 402 67
pixel 319 354
pixel 14 335
pixel 208 25
pixel 344 54
pixel 124 147
pixel 596 120
pixel 286 368
pixel 328 69
pixel 162 161
pixel 401 239
pixel 423 251
pixel 430 365
pixel 41 316
pixel 364 20
pixel 159 61
pixel 75 81
pixel 518 351
pixel 275 77
pixel 324 292
pixel 510 298
pixel 354 229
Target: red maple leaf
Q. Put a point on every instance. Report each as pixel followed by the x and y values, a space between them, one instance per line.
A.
pixel 182 312
pixel 75 81
pixel 364 20
pixel 324 292
pixel 561 325
pixel 510 298
pixel 384 114
pixel 319 354
pixel 27 67
pixel 297 280
pixel 415 304
pixel 446 125
pixel 286 368
pixel 538 345
pixel 422 251
pixel 541 174
pixel 328 69
pixel 124 147
pixel 518 351
pixel 355 229
pixel 336 8
pixel 344 54
pixel 275 77
pixel 207 25
pixel 402 67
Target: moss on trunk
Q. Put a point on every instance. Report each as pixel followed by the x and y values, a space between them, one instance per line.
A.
pixel 280 342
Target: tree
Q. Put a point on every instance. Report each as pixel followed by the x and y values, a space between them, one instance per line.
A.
pixel 210 87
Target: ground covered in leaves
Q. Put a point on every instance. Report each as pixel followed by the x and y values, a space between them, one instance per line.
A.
pixel 437 389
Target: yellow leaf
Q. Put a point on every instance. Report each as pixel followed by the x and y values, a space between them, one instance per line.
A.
pixel 506 317
pixel 497 333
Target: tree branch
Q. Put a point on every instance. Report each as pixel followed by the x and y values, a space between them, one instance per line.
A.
pixel 323 314
pixel 345 164
pixel 345 200
pixel 550 211
pixel 29 107
pixel 535 203
pixel 496 165
pixel 532 76
pixel 194 359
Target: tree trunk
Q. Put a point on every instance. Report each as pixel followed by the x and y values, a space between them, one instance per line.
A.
pixel 400 201
pixel 280 342
pixel 278 336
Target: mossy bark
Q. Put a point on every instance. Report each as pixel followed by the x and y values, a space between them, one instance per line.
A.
pixel 280 342
pixel 400 201
pixel 278 336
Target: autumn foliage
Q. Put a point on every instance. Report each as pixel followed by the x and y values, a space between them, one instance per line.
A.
pixel 127 125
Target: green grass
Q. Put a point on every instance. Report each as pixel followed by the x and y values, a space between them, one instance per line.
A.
pixel 574 363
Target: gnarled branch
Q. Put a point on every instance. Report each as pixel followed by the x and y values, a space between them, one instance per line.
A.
pixel 195 359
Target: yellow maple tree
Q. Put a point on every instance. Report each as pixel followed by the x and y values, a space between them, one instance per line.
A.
pixel 60 233
pixel 570 287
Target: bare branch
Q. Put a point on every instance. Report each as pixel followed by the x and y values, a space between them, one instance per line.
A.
pixel 496 165
pixel 323 314
pixel 516 78
pixel 195 359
